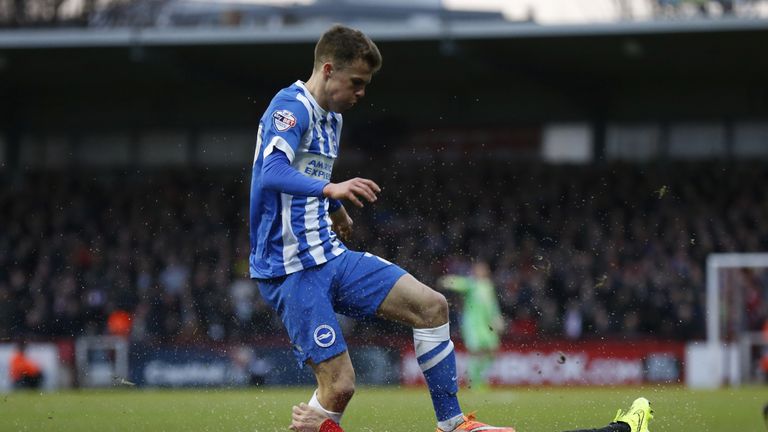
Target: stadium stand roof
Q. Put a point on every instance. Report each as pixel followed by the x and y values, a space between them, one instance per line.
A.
pixel 477 73
pixel 424 29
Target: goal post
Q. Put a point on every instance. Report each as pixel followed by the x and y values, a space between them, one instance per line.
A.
pixel 102 361
pixel 730 340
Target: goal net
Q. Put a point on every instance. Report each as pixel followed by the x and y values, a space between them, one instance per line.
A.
pixel 737 309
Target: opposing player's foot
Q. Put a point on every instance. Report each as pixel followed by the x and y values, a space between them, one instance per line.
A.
pixel 638 415
pixel 765 415
pixel 471 425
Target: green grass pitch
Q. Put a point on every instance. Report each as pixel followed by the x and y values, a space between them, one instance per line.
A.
pixel 376 409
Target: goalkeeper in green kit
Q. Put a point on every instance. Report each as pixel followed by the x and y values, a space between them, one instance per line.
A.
pixel 481 319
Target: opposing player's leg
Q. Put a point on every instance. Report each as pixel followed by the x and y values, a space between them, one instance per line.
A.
pixel 765 415
pixel 638 415
pixel 633 420
pixel 415 304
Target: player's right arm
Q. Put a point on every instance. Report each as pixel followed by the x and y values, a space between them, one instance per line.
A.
pixel 279 175
pixel 284 130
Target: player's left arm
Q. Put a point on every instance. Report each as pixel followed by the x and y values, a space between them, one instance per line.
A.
pixel 342 222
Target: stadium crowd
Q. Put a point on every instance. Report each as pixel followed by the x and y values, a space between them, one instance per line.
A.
pixel 577 252
pixel 705 8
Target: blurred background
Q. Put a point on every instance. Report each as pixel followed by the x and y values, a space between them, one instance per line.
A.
pixel 596 154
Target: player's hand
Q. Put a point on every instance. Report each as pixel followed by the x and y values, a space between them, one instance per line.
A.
pixel 353 190
pixel 342 223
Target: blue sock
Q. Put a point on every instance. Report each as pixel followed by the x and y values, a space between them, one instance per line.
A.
pixel 434 352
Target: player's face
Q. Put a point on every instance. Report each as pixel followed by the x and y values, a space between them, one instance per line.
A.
pixel 346 86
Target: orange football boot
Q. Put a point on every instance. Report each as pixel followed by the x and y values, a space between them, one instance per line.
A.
pixel 471 425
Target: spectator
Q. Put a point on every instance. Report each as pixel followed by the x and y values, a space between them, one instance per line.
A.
pixel 119 323
pixel 596 238
pixel 24 372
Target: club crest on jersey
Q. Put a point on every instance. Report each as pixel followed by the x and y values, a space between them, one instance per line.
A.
pixel 324 336
pixel 283 120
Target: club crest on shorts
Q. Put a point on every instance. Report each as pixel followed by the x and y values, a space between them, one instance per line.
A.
pixel 283 120
pixel 325 336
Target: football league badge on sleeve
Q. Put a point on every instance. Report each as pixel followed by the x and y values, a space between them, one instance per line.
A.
pixel 283 120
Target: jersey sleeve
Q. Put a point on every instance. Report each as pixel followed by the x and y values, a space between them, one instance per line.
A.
pixel 277 174
pixel 284 125
pixel 333 205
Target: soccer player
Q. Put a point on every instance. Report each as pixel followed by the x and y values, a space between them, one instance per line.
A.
pixel 481 319
pixel 308 419
pixel 303 269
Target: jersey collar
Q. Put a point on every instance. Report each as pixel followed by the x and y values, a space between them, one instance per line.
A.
pixel 311 98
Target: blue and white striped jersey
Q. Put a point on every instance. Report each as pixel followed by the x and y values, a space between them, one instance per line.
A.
pixel 289 232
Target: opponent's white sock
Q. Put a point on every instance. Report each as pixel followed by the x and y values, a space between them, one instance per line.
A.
pixel 335 416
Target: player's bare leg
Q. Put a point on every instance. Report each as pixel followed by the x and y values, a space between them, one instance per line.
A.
pixel 412 303
pixel 335 385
